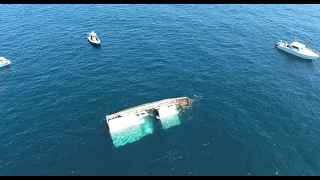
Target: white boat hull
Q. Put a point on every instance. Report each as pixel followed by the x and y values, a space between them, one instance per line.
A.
pixel 167 111
pixel 94 41
pixel 301 55
pixel 4 62
pixel 124 122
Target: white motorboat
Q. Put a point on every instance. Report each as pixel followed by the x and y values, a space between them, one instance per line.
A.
pixel 93 38
pixel 298 49
pixel 4 62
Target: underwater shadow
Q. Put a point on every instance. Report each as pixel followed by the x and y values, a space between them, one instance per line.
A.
pixel 5 69
pixel 98 46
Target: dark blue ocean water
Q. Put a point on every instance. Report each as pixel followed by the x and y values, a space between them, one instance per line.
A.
pixel 259 107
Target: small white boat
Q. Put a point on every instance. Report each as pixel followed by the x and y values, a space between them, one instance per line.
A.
pixel 298 49
pixel 4 62
pixel 93 38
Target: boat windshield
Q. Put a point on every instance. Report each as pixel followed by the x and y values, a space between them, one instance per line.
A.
pixel 295 47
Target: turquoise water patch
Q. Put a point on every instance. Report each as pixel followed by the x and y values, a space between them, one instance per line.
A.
pixel 132 134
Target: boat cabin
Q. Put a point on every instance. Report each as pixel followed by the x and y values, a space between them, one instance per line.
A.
pixel 297 45
pixel 93 35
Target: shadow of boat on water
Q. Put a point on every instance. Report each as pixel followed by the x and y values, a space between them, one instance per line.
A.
pixel 95 45
pixel 5 69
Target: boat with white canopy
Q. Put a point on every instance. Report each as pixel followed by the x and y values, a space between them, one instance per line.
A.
pixel 93 38
pixel 298 49
pixel 4 62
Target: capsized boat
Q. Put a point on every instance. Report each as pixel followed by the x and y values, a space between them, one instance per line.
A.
pixel 298 49
pixel 4 62
pixel 134 115
pixel 93 38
